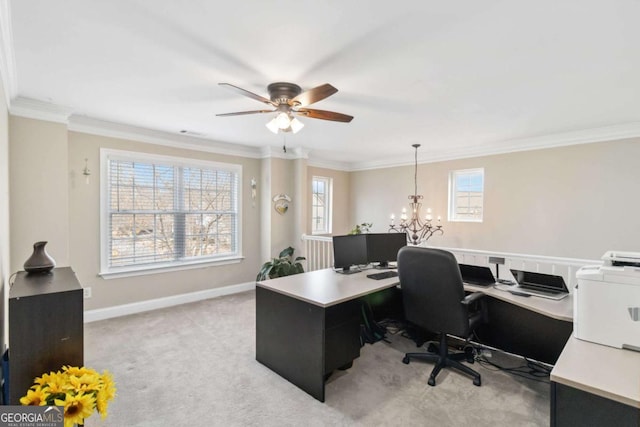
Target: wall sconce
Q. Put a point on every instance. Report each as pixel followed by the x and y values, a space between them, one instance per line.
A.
pixel 86 172
pixel 254 191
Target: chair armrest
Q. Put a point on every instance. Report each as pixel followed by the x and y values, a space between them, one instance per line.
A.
pixel 471 298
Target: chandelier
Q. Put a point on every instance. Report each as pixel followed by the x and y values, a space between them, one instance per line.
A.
pixel 417 230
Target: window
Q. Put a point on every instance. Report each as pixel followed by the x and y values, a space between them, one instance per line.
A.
pixel 466 195
pixel 321 205
pixel 162 211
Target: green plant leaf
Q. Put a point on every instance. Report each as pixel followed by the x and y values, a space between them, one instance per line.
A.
pixel 286 252
pixel 284 265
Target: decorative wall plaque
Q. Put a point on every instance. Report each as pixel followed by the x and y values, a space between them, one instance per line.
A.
pixel 281 203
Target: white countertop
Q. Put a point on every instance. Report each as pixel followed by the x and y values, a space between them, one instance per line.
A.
pixel 326 287
pixel 559 310
pixel 609 372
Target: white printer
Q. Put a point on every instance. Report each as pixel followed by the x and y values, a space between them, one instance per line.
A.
pixel 607 301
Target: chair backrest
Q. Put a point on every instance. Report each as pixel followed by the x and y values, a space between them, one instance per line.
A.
pixel 432 290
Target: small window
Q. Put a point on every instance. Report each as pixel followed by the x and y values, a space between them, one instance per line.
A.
pixel 321 205
pixel 466 195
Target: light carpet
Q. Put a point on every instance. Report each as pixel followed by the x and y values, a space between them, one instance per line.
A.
pixel 194 365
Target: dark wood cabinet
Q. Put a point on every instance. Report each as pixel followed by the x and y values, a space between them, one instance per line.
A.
pixel 573 407
pixel 45 327
pixel 304 342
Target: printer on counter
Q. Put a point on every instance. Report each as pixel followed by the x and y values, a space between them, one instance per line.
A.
pixel 607 301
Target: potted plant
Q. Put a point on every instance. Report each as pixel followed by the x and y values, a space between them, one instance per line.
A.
pixel 361 228
pixel 81 391
pixel 284 265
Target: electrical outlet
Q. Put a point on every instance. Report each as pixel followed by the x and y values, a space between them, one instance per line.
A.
pixel 86 292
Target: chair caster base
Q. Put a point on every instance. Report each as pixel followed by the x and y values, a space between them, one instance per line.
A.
pixel 477 382
pixel 432 382
pixel 405 360
pixel 468 351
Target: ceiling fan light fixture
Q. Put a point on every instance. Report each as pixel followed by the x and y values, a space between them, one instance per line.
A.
pixel 289 100
pixel 273 125
pixel 296 125
pixel 283 120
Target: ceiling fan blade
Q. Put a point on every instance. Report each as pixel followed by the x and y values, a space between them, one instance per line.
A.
pixel 242 113
pixel 314 95
pixel 249 94
pixel 324 115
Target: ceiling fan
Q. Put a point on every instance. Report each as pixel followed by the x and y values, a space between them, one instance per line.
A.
pixel 288 101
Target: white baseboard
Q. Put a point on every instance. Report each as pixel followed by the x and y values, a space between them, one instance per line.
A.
pixel 154 304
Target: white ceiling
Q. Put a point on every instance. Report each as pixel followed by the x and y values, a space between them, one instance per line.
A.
pixel 459 77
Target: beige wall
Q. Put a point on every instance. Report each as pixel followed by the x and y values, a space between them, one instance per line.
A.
pixel 341 221
pixel 39 208
pixel 84 234
pixel 577 201
pixel 283 227
pixel 301 200
pixel 264 195
pixel 4 214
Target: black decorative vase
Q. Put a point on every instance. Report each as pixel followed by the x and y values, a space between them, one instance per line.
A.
pixel 39 261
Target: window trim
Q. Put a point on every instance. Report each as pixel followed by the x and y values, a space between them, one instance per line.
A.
pixel 452 189
pixel 135 270
pixel 328 209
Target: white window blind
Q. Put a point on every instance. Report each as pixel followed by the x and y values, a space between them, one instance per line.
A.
pixel 161 212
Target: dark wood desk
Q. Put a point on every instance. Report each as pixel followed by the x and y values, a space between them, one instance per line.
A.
pixel 595 385
pixel 308 325
pixel 537 328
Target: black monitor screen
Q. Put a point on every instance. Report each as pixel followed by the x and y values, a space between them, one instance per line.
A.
pixel 383 248
pixel 349 250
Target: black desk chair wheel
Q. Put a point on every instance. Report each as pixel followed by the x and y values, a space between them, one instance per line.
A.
pixel 433 298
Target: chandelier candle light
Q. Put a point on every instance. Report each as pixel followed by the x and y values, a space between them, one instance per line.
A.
pixel 417 230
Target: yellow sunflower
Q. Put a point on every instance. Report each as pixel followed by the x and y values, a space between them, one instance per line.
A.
pixel 76 408
pixel 108 386
pixel 77 371
pixel 56 384
pixel 35 397
pixel 106 392
pixel 86 382
pixel 46 378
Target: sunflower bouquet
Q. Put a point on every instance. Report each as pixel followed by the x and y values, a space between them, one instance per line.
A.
pixel 80 390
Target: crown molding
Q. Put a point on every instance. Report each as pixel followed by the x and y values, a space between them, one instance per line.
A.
pixel 329 164
pixel 32 108
pixel 584 136
pixel 278 153
pixel 99 127
pixel 7 57
pixel 35 109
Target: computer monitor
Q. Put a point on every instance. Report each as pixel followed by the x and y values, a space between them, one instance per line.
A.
pixel 383 248
pixel 349 250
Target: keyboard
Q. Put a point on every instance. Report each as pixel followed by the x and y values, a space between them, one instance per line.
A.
pixel 383 275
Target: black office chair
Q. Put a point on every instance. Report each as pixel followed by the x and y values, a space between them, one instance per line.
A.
pixel 434 299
